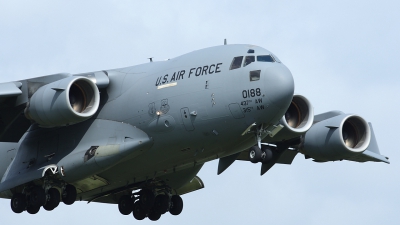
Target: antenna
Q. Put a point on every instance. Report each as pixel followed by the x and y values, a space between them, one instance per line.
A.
pixel 151 59
pixel 225 41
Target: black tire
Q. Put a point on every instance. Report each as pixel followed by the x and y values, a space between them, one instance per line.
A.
pixel 176 205
pixel 69 195
pixel 266 155
pixel 37 198
pixel 138 212
pixel 161 204
pixel 147 198
pixel 154 215
pixel 53 199
pixel 255 154
pixel 125 205
pixel 32 209
pixel 18 203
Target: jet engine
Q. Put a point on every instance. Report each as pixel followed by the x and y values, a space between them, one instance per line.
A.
pixel 297 120
pixel 64 102
pixel 337 138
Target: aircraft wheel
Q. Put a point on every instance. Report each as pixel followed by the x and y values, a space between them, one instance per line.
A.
pixel 255 154
pixel 266 154
pixel 147 198
pixel 138 211
pixel 53 199
pixel 154 215
pixel 37 197
pixel 18 203
pixel 125 205
pixel 32 209
pixel 161 204
pixel 69 195
pixel 176 205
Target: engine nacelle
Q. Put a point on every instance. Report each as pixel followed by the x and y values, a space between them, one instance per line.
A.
pixel 337 138
pixel 297 120
pixel 64 102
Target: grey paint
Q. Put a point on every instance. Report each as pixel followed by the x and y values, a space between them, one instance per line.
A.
pixel 10 90
pixel 157 121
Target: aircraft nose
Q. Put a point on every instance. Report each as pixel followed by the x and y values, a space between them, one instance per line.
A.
pixel 280 86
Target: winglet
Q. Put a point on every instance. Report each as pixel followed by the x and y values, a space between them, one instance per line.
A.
pixel 373 145
pixel 372 152
pixel 373 149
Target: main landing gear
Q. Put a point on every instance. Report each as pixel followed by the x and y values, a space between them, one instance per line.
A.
pixel 34 197
pixel 148 204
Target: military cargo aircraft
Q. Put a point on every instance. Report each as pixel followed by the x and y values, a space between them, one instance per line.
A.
pixel 137 136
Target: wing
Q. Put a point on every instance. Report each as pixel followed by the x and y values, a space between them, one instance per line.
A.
pixel 13 123
pixel 41 100
pixel 13 99
pixel 330 136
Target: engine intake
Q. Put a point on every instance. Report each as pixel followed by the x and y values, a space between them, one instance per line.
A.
pixel 337 138
pixel 300 115
pixel 64 102
pixel 297 120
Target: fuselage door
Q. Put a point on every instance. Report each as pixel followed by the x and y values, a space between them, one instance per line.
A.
pixel 186 119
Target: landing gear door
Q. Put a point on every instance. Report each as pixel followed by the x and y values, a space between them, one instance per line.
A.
pixel 186 119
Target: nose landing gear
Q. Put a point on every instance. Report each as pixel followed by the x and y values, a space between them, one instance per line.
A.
pixel 263 155
pixel 260 153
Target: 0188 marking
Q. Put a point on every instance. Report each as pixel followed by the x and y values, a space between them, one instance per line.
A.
pixel 251 93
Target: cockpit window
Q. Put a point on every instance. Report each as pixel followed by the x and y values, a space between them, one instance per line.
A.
pixel 276 58
pixel 265 58
pixel 236 62
pixel 248 60
pixel 255 75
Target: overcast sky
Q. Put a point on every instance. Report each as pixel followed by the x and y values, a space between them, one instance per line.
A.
pixel 344 55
